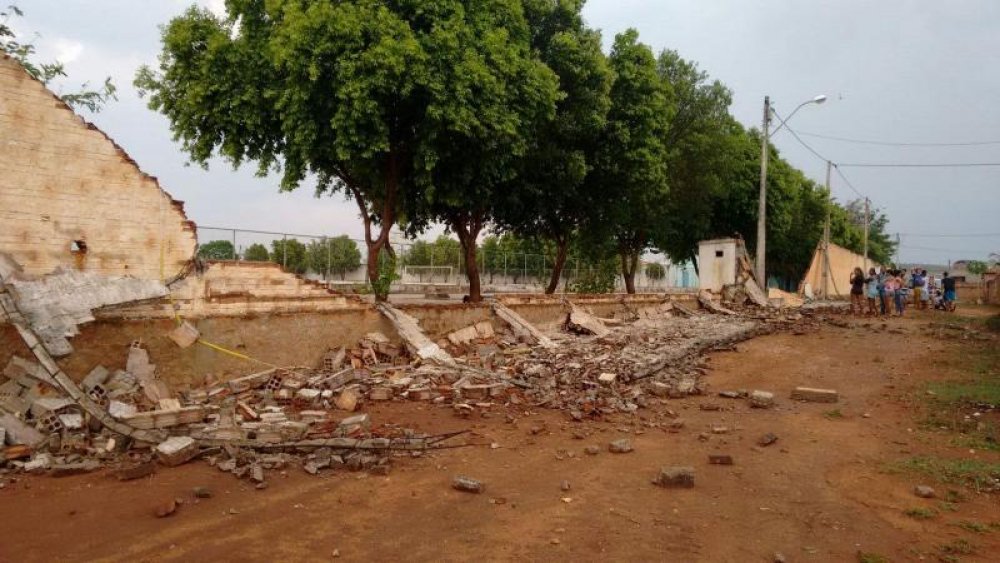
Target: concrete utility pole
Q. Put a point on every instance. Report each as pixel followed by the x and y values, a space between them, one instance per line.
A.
pixel 867 221
pixel 826 236
pixel 760 266
pixel 762 205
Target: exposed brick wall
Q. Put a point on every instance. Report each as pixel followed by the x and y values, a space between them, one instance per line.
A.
pixel 63 180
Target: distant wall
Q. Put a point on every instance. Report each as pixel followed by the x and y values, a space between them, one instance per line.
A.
pixel 62 180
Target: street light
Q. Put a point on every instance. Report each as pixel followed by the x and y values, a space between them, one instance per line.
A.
pixel 762 208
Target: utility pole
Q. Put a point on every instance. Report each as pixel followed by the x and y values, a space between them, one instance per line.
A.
pixel 826 237
pixel 762 205
pixel 867 221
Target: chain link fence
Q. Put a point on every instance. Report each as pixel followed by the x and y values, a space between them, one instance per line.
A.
pixel 340 261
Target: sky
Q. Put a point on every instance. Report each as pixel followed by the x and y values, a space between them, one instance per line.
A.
pixel 906 71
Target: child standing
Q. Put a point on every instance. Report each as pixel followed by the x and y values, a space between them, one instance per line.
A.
pixel 871 283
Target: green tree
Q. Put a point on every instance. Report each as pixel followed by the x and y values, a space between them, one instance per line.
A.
pixel 256 252
pixel 291 255
pixel 549 199
pixel 977 267
pixel 881 244
pixel 443 251
pixel 23 52
pixel 703 143
pixel 337 255
pixel 630 166
pixel 217 250
pixel 371 98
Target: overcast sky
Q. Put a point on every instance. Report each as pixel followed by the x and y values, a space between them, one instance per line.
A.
pixel 909 71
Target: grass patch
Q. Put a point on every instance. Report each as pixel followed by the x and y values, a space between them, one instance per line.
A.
pixel 920 513
pixel 953 496
pixel 983 476
pixel 835 414
pixel 982 440
pixel 958 547
pixel 869 557
pixel 977 527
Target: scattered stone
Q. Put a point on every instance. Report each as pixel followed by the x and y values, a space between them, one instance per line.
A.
pixel 812 395
pixel 621 446
pixel 607 378
pixel 76 468
pixel 720 459
pixel 564 486
pixel 923 491
pixel 467 484
pixel 176 450
pixel 592 450
pixel 137 471
pixel 729 394
pixel 761 399
pixel 709 407
pixel 675 477
pixel 779 557
pixel 165 508
pixel 720 430
pixel 767 439
pixel 202 492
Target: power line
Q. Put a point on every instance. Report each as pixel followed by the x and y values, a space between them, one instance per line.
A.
pixel 918 165
pixel 821 157
pixel 896 144
pixel 848 182
pixel 977 235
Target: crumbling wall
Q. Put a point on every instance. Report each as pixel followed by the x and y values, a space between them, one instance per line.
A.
pixel 237 289
pixel 69 196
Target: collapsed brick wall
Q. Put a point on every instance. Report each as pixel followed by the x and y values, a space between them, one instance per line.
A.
pixel 69 196
pixel 233 289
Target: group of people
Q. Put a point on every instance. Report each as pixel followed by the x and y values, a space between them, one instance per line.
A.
pixel 888 292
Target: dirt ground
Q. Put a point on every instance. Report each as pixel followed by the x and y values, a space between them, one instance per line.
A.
pixel 821 493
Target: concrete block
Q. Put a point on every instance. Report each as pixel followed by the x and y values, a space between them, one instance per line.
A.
pixel 622 446
pixel 675 478
pixel 761 400
pixel 720 459
pixel 467 484
pixel 380 394
pixel 354 423
pixel 607 378
pixel 97 376
pixel 119 409
pixel 184 335
pixel 813 395
pixel 176 450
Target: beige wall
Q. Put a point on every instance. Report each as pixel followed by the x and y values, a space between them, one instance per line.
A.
pixel 715 271
pixel 62 180
pixel 842 263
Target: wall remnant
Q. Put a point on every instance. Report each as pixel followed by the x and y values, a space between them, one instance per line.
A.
pixel 71 197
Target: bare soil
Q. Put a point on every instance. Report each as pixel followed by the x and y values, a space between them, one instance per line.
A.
pixel 821 493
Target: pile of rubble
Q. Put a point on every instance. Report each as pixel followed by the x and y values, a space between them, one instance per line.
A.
pixel 307 415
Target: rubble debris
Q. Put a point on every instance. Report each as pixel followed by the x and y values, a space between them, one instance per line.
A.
pixel 720 459
pixel 767 439
pixel 467 484
pixel 136 471
pixel 761 400
pixel 813 395
pixel 165 508
pixel 706 301
pixel 675 478
pixel 522 328
pixel 177 450
pixel 621 446
pixel 409 330
pixel 592 450
pixel 923 491
pixel 579 321
pixel 56 304
pixel 201 492
pixel 184 335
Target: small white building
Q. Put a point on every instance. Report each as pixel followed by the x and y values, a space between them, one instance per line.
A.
pixel 717 262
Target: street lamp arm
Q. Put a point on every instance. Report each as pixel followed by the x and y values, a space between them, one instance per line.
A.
pixel 817 100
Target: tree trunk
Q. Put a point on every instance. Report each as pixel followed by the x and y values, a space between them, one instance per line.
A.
pixel 562 247
pixel 468 228
pixel 630 262
pixel 386 218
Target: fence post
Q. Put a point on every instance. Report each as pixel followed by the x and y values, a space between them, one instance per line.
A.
pixel 284 251
pixel 234 244
pixel 329 260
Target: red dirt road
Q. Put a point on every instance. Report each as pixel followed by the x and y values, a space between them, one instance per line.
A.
pixel 818 494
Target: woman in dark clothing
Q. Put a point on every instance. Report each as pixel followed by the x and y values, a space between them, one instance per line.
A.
pixel 857 292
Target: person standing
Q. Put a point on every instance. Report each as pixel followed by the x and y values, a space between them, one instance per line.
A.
pixel 871 286
pixel 901 292
pixel 927 289
pixel 918 288
pixel 948 285
pixel 880 285
pixel 857 292
pixel 889 293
